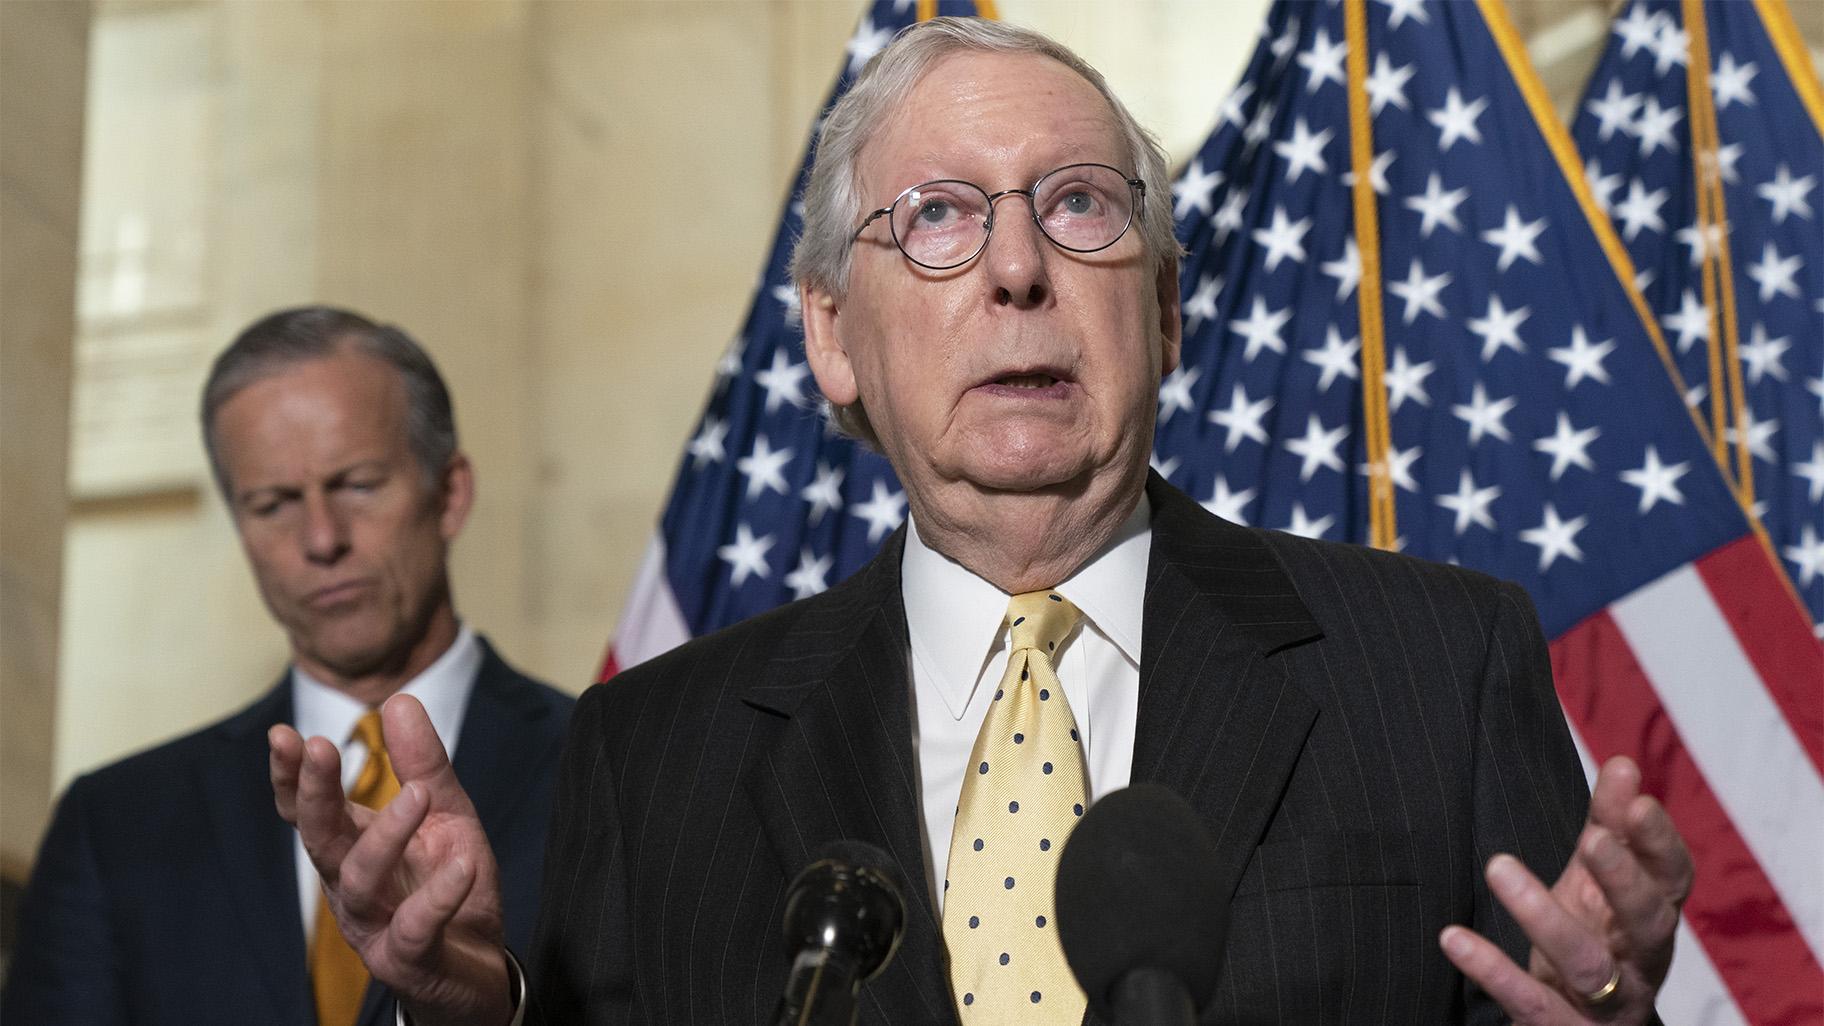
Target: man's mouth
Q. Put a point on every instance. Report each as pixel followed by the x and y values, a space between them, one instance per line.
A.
pixel 1030 383
pixel 1027 381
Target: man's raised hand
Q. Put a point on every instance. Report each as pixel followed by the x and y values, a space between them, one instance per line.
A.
pixel 413 886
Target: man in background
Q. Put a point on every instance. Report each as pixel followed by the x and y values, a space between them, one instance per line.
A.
pixel 167 889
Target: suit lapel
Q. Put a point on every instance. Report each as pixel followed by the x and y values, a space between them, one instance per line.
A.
pixel 840 765
pixel 1220 720
pixel 255 845
pixel 494 771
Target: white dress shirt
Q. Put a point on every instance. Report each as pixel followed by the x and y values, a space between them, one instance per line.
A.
pixel 318 709
pixel 959 652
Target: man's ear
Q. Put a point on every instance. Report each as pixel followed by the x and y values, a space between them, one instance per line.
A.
pixel 1171 317
pixel 458 496
pixel 823 346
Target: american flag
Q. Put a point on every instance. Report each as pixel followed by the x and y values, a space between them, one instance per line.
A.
pixel 1532 430
pixel 1757 104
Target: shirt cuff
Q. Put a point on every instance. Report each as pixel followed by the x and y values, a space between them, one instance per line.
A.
pixel 517 983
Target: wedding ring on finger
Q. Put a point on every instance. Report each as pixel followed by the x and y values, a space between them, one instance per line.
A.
pixel 1605 993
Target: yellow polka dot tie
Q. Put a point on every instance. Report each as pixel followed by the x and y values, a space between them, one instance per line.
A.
pixel 1024 791
pixel 338 979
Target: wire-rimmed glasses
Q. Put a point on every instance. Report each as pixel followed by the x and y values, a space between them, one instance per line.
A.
pixel 944 224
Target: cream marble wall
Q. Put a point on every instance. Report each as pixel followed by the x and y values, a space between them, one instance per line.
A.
pixel 43 50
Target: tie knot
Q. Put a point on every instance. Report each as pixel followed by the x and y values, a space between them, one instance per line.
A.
pixel 1041 620
pixel 368 732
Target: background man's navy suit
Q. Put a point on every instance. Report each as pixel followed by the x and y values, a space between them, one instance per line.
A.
pixel 165 891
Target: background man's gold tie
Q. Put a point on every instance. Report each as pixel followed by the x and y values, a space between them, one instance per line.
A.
pixel 337 977
pixel 1024 791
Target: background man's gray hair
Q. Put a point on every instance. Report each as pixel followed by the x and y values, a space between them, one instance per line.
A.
pixel 833 204
pixel 284 339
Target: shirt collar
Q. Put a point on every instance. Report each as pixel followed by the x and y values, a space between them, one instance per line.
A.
pixel 443 688
pixel 955 618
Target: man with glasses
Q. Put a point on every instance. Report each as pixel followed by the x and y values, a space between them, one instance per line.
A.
pixel 989 286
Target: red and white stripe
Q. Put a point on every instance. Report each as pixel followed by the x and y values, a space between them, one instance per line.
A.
pixel 651 623
pixel 1710 678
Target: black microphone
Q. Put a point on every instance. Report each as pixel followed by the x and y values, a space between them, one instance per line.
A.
pixel 1142 922
pixel 844 916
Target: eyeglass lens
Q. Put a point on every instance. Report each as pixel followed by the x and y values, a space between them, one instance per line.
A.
pixel 1084 207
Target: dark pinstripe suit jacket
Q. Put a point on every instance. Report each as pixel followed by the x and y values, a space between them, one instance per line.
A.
pixel 1361 731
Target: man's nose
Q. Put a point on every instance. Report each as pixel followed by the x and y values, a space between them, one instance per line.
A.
pixel 1016 254
pixel 325 531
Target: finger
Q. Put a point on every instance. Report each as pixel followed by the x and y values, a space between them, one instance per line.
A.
pixel 1577 952
pixel 1617 785
pixel 1654 840
pixel 420 920
pixel 284 762
pixel 1524 998
pixel 369 877
pixel 323 820
pixel 417 753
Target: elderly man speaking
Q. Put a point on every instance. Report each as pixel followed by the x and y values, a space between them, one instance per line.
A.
pixel 989 287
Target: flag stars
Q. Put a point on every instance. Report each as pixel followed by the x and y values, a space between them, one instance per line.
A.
pixel 1568 446
pixel 1555 537
pixel 867 42
pixel 1602 186
pixel 811 576
pixel 1317 448
pixel 1232 113
pixel 1227 504
pixel 1202 304
pixel 1615 110
pixel 1500 328
pixel 1787 194
pixel 1485 416
pixel 1346 269
pixel 1762 356
pixel 1406 380
pixel 1400 10
pixel 1261 328
pixel 1582 358
pixel 1758 434
pixel 824 493
pixel 1175 391
pixel 1398 467
pixel 787 296
pixel 1812 472
pixel 1517 239
pixel 1654 126
pixel 1638 29
pixel 1437 206
pixel 1304 526
pixel 1691 320
pixel 1420 292
pixel 1336 358
pixel 783 381
pixel 1283 238
pixel 1470 503
pixel 746 555
pixel 1387 85
pixel 1807 555
pixel 884 511
pixel 1228 217
pixel 764 468
pixel 1324 61
pixel 1377 173
pixel 1670 46
pixel 707 447
pixel 1194 190
pixel 1657 480
pixel 1700 239
pixel 1641 210
pixel 1242 419
pixel 1456 120
pixel 1304 151
pixel 1775 273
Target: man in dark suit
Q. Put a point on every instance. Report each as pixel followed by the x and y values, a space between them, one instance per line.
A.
pixel 1362 732
pixel 168 890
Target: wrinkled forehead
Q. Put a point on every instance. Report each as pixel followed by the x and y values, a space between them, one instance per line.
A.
pixel 996 119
